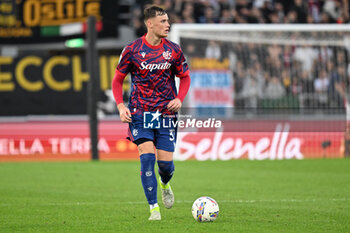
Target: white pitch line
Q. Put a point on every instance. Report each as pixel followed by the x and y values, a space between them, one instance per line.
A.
pixel 179 201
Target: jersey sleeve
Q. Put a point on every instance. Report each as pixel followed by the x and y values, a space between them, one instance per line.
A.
pixel 124 64
pixel 181 66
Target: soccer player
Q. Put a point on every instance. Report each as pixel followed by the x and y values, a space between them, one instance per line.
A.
pixel 153 63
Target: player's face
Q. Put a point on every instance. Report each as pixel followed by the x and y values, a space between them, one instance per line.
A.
pixel 160 25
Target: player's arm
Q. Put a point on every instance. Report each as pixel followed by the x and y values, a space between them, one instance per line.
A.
pixel 117 88
pixel 175 104
pixel 117 85
pixel 182 71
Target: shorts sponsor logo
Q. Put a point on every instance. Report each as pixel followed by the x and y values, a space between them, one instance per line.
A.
pixel 135 132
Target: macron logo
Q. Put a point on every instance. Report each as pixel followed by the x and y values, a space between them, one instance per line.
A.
pixel 151 67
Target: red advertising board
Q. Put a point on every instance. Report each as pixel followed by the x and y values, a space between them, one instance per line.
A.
pixel 259 145
pixel 69 140
pixel 63 140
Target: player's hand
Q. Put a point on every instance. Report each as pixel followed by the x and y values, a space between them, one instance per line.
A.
pixel 174 105
pixel 124 113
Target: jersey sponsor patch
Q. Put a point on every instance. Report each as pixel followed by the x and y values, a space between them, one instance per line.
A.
pixel 154 66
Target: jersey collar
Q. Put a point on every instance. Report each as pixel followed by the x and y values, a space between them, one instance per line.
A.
pixel 152 46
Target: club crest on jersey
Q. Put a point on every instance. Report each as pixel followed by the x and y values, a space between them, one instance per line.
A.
pixel 143 54
pixel 167 55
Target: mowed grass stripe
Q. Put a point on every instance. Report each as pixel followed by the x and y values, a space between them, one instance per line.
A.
pixel 254 196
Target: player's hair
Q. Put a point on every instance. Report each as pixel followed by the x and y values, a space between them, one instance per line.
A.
pixel 153 11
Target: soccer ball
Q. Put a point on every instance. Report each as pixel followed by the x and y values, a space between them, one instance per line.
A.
pixel 205 209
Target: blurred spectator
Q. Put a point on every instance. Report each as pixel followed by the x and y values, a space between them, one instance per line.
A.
pixel 321 85
pixel 314 10
pixel 239 75
pixel 287 55
pixel 168 5
pixel 241 4
pixel 280 12
pixel 213 50
pixel 307 87
pixel 252 89
pixel 346 89
pixel 346 11
pixel 337 76
pixel 300 10
pixel 275 53
pixel 174 18
pixel 258 3
pixel 226 16
pixel 309 19
pixel 291 17
pixel 287 82
pixel 325 18
pixel 307 82
pixel 178 6
pixel 224 5
pixel 190 50
pixel 107 106
pixel 187 14
pixel 266 10
pixel 140 28
pixel 306 55
pixel 256 14
pixel 274 89
pixel 209 16
pixel 324 54
pixel 340 58
pixel 333 8
pixel 296 87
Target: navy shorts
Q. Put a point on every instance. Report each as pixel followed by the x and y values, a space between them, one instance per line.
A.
pixel 163 134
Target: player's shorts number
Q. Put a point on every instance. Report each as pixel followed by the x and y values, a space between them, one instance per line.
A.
pixel 171 134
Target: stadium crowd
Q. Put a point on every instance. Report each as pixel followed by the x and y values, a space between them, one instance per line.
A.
pixel 291 75
pixel 313 76
pixel 317 76
pixel 248 11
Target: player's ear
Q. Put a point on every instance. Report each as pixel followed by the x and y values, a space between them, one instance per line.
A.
pixel 148 23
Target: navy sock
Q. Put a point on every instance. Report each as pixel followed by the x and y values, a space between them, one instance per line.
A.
pixel 165 170
pixel 148 178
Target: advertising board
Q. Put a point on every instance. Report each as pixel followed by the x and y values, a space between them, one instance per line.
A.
pixel 69 140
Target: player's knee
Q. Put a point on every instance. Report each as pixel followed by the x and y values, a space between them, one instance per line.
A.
pixel 145 146
pixel 164 155
pixel 166 167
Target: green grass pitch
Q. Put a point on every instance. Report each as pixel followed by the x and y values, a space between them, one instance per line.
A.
pixel 254 196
